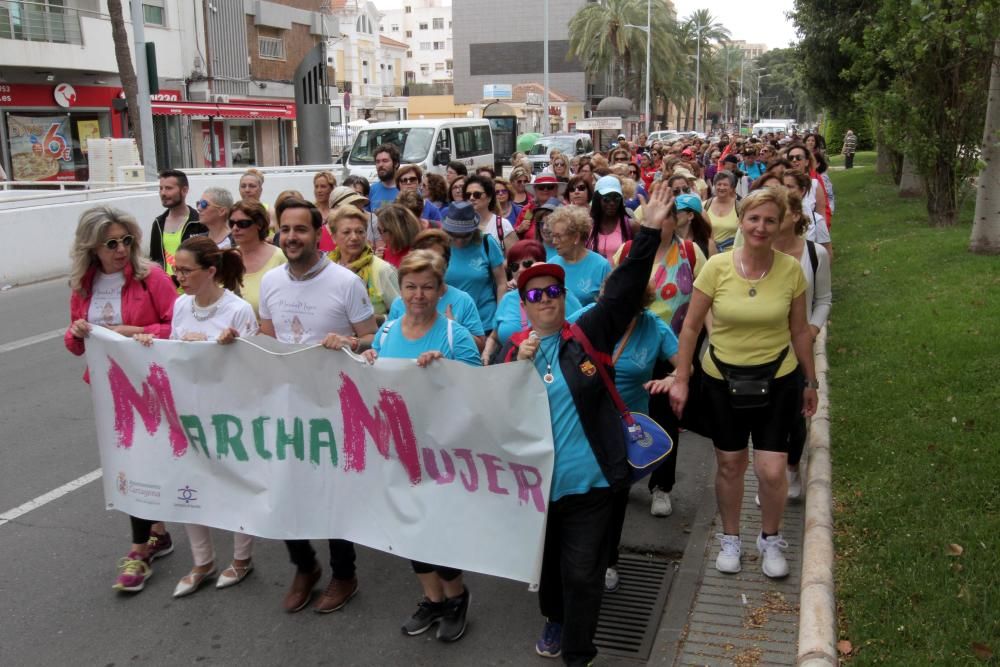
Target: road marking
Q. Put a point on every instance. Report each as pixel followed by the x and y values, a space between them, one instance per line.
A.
pixel 31 340
pixel 47 498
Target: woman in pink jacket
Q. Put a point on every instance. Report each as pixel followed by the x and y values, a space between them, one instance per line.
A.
pixel 113 286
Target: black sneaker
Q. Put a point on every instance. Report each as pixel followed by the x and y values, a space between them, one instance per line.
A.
pixel 427 614
pixel 453 621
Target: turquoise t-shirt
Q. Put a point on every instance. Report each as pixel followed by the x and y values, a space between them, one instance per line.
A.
pixel 584 278
pixel 463 309
pixel 576 469
pixel 550 252
pixel 651 340
pixel 396 346
pixel 511 317
pixel 471 271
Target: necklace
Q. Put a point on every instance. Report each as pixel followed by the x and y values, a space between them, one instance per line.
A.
pixel 746 276
pixel 548 378
pixel 206 313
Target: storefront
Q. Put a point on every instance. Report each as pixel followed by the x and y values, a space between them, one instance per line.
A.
pixel 235 133
pixel 44 127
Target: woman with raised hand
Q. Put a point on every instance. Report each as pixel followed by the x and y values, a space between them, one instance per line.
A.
pixel 348 226
pixel 759 372
pixel 424 334
pixel 590 451
pixel 249 224
pixel 113 286
pixel 210 309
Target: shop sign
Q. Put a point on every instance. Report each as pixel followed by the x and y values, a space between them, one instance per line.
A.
pixel 498 91
pixel 41 148
pixel 65 95
pixel 599 124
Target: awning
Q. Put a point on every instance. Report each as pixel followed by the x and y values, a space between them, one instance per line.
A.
pixel 227 110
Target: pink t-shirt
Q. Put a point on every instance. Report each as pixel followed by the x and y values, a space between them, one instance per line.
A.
pixel 608 244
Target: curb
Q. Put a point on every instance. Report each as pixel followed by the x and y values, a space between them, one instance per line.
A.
pixel 818 605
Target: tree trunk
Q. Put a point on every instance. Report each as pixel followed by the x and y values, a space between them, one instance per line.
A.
pixel 910 183
pixel 883 155
pixel 942 194
pixel 126 71
pixel 985 238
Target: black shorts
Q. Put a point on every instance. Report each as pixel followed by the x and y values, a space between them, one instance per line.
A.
pixel 770 426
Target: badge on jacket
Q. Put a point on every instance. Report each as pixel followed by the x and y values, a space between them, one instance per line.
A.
pixel 588 369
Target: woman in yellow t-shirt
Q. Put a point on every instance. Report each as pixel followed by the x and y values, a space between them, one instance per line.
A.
pixel 757 299
pixel 722 211
pixel 249 224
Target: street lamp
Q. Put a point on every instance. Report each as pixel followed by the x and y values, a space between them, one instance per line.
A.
pixel 759 77
pixel 546 126
pixel 649 48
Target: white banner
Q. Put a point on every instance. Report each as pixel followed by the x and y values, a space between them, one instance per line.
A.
pixel 449 464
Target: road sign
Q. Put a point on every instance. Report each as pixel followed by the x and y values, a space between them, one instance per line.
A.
pixel 498 91
pixel 610 123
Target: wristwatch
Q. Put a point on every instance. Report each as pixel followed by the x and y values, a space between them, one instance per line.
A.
pixel 812 384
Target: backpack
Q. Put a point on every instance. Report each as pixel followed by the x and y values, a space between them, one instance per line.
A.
pixel 813 257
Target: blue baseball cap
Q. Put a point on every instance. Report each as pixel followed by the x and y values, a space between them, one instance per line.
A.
pixel 687 202
pixel 607 185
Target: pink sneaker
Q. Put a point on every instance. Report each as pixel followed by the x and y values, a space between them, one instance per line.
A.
pixel 134 570
pixel 160 546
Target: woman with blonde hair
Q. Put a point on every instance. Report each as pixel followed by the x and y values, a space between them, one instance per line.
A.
pixel 585 269
pixel 115 287
pixel 349 228
pixel 397 226
pixel 519 178
pixel 323 184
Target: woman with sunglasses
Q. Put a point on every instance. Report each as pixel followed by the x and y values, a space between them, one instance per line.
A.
pixel 455 190
pixel 560 167
pixel 113 286
pixel 511 316
pixel 479 192
pixel 519 179
pixel 506 208
pixel 408 178
pixel 590 455
pixel 542 189
pixel 477 261
pixel 611 224
pixel 213 212
pixel 248 222
pixel 579 191
pixel 210 310
pixel 800 158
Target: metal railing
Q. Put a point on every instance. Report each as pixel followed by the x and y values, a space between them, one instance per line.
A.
pixel 40 22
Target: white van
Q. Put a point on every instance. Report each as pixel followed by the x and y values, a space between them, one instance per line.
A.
pixel 432 144
pixel 774 125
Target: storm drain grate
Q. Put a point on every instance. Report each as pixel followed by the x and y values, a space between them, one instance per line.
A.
pixel 630 616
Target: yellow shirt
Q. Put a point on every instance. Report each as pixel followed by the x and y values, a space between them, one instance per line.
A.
pixel 723 227
pixel 750 330
pixel 251 281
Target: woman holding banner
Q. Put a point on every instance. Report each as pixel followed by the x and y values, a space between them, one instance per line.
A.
pixel 422 333
pixel 590 454
pixel 210 310
pixel 115 287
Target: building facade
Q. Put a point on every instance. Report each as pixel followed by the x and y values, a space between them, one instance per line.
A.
pixel 426 27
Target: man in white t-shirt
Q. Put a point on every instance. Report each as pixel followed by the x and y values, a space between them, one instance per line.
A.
pixel 313 300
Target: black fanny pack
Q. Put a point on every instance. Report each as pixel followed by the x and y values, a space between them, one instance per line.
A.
pixel 749 386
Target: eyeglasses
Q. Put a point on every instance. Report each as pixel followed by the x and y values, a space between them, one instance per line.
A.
pixel 242 224
pixel 477 194
pixel 524 264
pixel 502 192
pixel 112 244
pixel 409 179
pixel 678 191
pixel 520 181
pixel 797 157
pixel 552 291
pixel 579 187
pixel 545 186
pixel 203 204
pixel 185 272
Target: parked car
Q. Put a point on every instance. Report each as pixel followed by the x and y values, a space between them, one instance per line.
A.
pixel 240 150
pixel 570 145
pixel 663 136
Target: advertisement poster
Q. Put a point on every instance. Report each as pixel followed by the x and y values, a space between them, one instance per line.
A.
pixel 220 145
pixel 41 148
pixel 87 129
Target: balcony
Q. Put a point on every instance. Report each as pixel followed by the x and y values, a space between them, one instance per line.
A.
pixel 39 22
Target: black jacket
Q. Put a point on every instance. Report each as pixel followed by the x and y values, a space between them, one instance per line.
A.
pixel 604 325
pixel 191 228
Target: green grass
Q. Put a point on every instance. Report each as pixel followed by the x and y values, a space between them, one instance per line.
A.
pixel 915 396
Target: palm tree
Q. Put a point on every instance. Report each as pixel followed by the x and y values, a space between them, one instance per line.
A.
pixel 598 36
pixel 701 34
pixel 126 72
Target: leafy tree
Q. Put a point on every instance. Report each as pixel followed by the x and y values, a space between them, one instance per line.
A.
pixel 986 223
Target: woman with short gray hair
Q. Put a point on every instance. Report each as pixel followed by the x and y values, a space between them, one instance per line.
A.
pixel 213 212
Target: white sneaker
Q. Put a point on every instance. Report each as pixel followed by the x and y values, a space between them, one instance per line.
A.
pixel 728 560
pixel 661 505
pixel 773 561
pixel 611 580
pixel 794 484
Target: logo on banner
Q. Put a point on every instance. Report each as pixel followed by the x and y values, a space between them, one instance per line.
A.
pixel 187 494
pixel 65 95
pixel 122 483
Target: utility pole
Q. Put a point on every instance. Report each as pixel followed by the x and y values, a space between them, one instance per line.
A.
pixel 759 77
pixel 547 126
pixel 697 78
pixel 148 148
pixel 649 49
pixel 743 61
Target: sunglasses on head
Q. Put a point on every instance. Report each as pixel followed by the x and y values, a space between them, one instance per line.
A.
pixel 478 194
pixel 112 244
pixel 525 263
pixel 409 179
pixel 242 224
pixel 552 291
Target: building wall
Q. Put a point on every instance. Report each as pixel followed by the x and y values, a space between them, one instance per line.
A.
pixel 493 46
pixel 298 42
pixel 423 11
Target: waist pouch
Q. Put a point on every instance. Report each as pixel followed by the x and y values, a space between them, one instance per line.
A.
pixel 749 386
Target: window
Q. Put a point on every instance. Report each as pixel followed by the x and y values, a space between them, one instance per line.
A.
pixel 425 46
pixel 422 26
pixel 409 54
pixel 470 141
pixel 449 65
pixel 425 68
pixel 395 28
pixel 439 46
pixel 153 12
pixel 438 67
pixel 271 48
pixel 408 9
pixel 409 33
pixel 438 24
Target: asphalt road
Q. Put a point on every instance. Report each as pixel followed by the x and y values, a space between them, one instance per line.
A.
pixel 57 561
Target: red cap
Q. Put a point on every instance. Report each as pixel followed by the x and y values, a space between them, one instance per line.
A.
pixel 687 152
pixel 540 269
